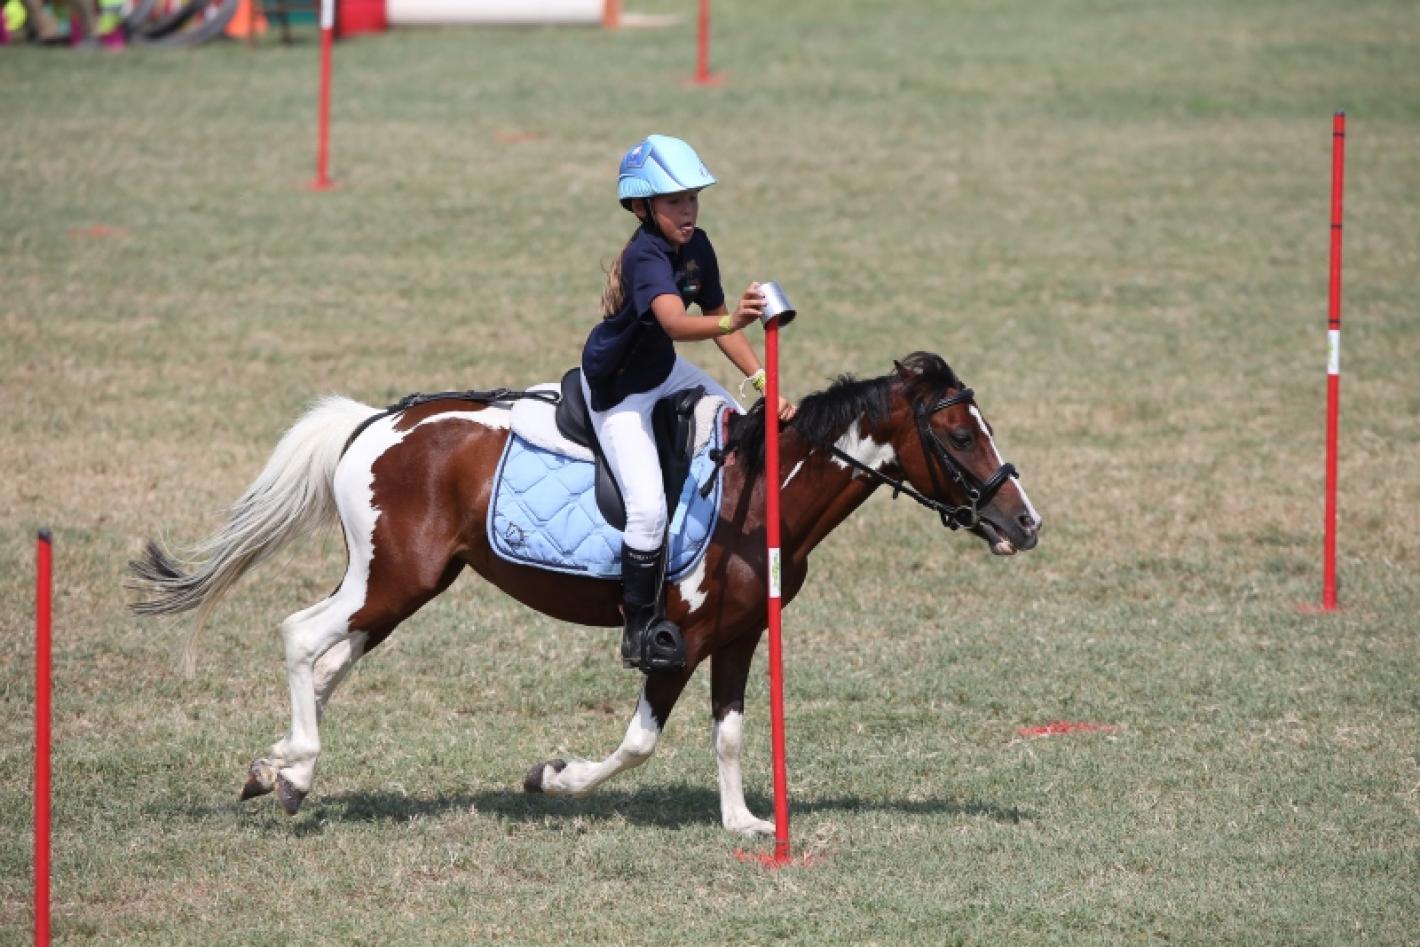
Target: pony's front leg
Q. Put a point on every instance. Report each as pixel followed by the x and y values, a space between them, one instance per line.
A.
pixel 577 777
pixel 729 670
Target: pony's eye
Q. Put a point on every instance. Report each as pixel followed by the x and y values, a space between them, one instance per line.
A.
pixel 960 438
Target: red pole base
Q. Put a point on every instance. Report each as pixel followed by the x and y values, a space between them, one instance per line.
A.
pixel 321 184
pixel 709 79
pixel 773 862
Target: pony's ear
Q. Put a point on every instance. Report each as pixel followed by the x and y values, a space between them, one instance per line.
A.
pixel 907 371
pixel 923 366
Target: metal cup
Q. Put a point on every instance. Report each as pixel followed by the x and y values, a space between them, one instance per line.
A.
pixel 776 304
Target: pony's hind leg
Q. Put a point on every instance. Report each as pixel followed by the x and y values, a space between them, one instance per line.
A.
pixel 320 650
pixel 330 669
pixel 324 641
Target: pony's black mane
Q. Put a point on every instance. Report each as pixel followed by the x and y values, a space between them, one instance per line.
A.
pixel 824 415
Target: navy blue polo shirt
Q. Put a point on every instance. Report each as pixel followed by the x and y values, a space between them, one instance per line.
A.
pixel 628 352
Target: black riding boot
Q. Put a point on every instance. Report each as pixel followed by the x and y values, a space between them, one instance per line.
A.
pixel 649 642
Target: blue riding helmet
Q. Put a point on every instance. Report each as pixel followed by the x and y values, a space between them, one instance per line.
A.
pixel 660 165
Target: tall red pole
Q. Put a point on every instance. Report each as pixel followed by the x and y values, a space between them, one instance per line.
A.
pixel 1333 364
pixel 702 46
pixel 327 43
pixel 44 559
pixel 771 528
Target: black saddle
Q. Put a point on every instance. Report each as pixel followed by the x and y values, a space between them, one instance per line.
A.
pixel 672 420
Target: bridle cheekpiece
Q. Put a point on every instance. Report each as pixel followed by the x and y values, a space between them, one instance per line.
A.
pixel 939 458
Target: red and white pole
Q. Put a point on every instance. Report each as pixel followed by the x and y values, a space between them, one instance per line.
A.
pixel 771 529
pixel 322 181
pixel 44 559
pixel 1333 363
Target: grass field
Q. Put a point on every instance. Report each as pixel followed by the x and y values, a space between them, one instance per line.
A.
pixel 1110 216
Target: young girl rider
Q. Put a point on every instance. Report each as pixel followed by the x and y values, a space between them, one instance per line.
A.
pixel 629 362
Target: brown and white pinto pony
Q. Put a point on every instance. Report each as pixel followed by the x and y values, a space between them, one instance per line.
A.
pixel 412 494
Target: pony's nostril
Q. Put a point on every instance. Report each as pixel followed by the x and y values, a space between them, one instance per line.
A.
pixel 1028 522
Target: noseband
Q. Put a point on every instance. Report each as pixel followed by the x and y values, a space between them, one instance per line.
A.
pixel 939 458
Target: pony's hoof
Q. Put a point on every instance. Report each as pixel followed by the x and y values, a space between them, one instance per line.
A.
pixel 291 797
pixel 533 783
pixel 751 828
pixel 261 779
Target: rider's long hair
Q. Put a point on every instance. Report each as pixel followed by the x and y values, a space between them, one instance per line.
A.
pixel 614 294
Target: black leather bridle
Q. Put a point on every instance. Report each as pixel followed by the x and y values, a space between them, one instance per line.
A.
pixel 939 458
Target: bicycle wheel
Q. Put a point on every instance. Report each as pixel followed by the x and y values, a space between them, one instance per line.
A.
pixel 136 13
pixel 188 23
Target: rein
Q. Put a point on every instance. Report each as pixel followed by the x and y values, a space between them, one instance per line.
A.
pixel 978 494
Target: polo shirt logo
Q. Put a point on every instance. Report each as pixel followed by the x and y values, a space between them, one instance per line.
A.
pixel 686 280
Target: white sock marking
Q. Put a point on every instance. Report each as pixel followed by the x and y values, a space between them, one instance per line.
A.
pixel 728 736
pixel 580 777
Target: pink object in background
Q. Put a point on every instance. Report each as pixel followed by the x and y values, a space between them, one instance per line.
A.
pixel 1060 727
pixel 353 17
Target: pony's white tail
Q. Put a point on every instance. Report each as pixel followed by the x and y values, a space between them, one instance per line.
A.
pixel 291 497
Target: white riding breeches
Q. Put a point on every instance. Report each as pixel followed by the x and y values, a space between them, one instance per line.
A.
pixel 629 444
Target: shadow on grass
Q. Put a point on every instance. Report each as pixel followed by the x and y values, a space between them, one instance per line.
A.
pixel 666 807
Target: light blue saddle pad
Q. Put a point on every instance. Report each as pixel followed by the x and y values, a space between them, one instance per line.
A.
pixel 544 513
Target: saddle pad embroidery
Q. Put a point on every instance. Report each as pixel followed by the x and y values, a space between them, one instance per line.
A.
pixel 544 513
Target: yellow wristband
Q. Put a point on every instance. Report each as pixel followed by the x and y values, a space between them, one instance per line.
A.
pixel 757 380
pixel 726 324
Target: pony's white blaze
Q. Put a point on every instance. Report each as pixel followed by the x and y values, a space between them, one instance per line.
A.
pixel 865 450
pixel 985 432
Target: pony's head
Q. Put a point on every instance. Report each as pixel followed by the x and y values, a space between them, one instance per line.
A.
pixel 918 430
pixel 944 448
